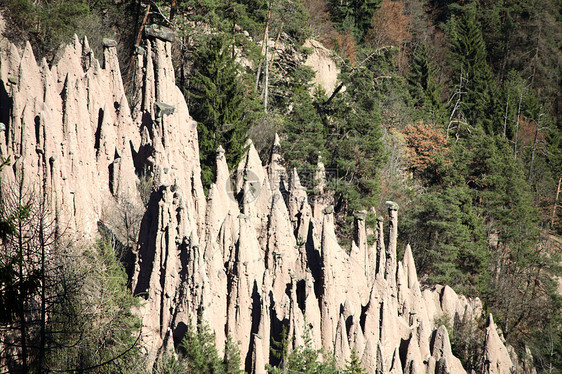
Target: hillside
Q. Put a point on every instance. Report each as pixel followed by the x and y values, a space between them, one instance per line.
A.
pixel 159 154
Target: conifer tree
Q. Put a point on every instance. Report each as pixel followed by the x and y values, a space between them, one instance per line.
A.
pixel 471 74
pixel 354 365
pixel 220 105
pixel 304 141
pixel 355 142
pixel 353 14
pixel 199 350
pixel 422 83
pixel 450 239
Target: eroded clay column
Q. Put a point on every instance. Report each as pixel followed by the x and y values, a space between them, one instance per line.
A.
pixel 390 270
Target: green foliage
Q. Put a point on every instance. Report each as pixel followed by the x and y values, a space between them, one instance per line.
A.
pixel 99 331
pixel 220 104
pixel 472 77
pixel 450 239
pixel 355 143
pixel 305 141
pixel 476 229
pixel 62 308
pixel 354 365
pixel 199 353
pixel 353 15
pixel 198 348
pixel 293 17
pixel 422 82
pixel 15 285
pixel 303 359
pixel 49 23
pixel 345 134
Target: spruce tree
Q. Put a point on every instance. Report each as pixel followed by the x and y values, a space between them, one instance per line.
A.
pixel 353 14
pixel 355 142
pixel 220 104
pixel 423 87
pixel 476 90
pixel 198 349
pixel 450 239
pixel 304 134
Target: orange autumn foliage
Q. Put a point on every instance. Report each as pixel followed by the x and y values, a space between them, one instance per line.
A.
pixel 319 22
pixel 390 25
pixel 424 142
pixel 324 31
pixel 346 46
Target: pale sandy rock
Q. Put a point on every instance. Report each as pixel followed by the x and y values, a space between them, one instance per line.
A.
pixel 413 363
pixel 281 252
pixel 496 356
pixel 449 300
pixel 300 212
pixel 323 199
pixel 381 251
pixel 250 169
pixel 320 60
pixel 359 252
pixel 442 353
pixel 392 328
pixel 381 361
pixel 312 312
pixel 221 198
pixel 410 267
pixel 369 357
pixel 296 319
pixel 373 317
pixel 356 337
pixel 3 40
pixel 278 177
pixel 249 274
pixel 390 268
pixel 403 292
pixel 258 356
pixel 422 333
pixel 328 297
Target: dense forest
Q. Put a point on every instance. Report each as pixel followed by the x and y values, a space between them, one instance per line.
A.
pixel 450 108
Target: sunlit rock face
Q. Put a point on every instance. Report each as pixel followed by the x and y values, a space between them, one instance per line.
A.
pixel 253 257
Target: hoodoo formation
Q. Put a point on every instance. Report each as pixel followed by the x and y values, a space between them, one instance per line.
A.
pixel 252 258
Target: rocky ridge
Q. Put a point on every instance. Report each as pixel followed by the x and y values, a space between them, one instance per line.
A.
pixel 252 258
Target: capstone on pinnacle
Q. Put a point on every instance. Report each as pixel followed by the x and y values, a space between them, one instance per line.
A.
pixel 160 32
pixel 163 109
pixel 140 50
pixel 391 205
pixel 328 210
pixel 361 215
pixel 109 42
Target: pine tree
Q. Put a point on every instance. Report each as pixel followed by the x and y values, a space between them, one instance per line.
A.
pixel 476 89
pixel 354 365
pixel 355 142
pixel 354 15
pixel 422 83
pixel 304 135
pixel 220 105
pixel 199 351
pixel 450 239
pixel 303 359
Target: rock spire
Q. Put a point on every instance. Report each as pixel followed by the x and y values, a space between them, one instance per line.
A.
pixel 252 257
